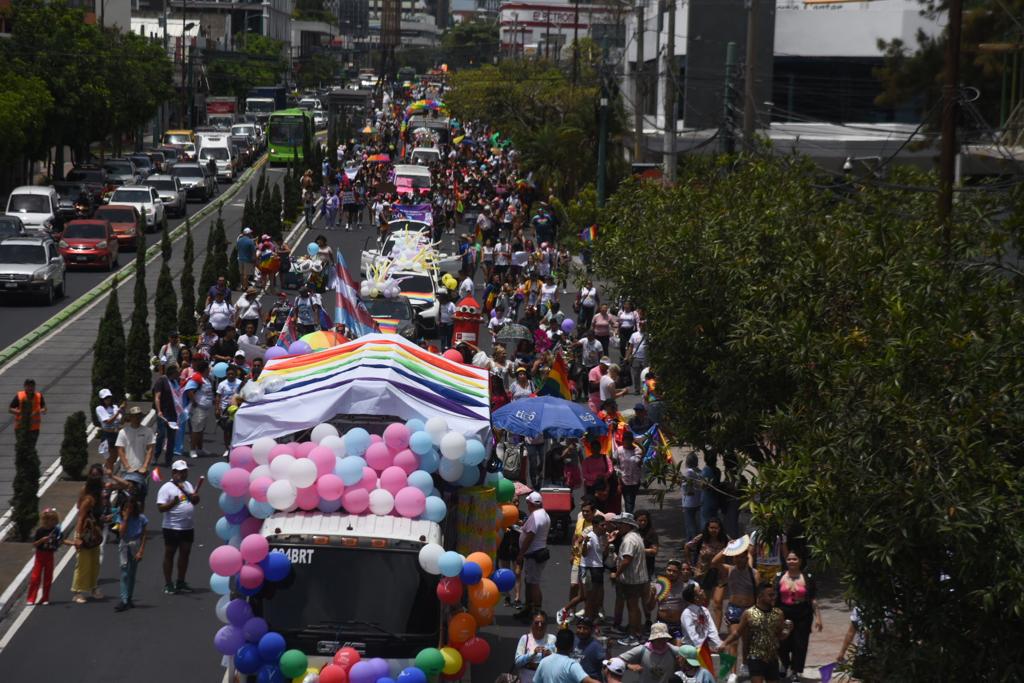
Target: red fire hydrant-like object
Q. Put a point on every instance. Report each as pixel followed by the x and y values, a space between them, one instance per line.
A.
pixel 466 326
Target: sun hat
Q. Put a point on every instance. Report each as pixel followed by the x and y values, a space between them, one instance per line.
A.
pixel 737 546
pixel 135 410
pixel 659 631
pixel 627 518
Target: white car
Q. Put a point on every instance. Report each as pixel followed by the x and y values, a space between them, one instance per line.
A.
pixel 421 290
pixel 425 155
pixel 171 192
pixel 147 200
pixel 403 231
pixel 37 207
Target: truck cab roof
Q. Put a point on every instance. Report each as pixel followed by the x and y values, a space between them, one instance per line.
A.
pixel 361 529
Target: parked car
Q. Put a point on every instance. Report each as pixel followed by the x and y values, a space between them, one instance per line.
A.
pixel 94 178
pixel 125 221
pixel 36 206
pixel 143 164
pixel 31 265
pixel 171 191
pixel 147 200
pixel 73 200
pixel 89 242
pixel 122 171
pixel 196 179
pixel 11 226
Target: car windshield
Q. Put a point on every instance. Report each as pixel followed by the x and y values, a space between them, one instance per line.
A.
pixel 417 181
pixel 242 130
pixel 415 284
pixel 22 253
pixel 218 153
pixel 86 175
pixel 68 190
pixel 118 167
pixel 9 227
pixel 131 196
pixel 177 138
pixel 362 592
pixel 170 154
pixel 92 231
pixel 115 215
pixel 389 308
pixel 188 171
pixel 28 203
pixel 161 184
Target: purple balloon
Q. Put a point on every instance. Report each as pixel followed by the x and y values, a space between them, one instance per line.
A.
pixel 238 612
pixel 329 505
pixel 568 325
pixel 274 352
pixel 380 668
pixel 228 639
pixel 299 347
pixel 238 517
pixel 255 629
pixel 362 672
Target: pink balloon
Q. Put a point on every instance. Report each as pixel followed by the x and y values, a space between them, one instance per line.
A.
pixel 254 548
pixel 376 438
pixel 393 479
pixel 258 488
pixel 453 355
pixel 407 460
pixel 241 456
pixel 251 576
pixel 378 456
pixel 356 500
pixel 396 436
pixel 324 458
pixel 330 486
pixel 369 480
pixel 235 482
pixel 308 498
pixel 251 525
pixel 303 449
pixel 280 449
pixel 410 502
pixel 227 560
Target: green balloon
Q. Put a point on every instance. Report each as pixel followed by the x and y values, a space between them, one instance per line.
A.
pixel 506 491
pixel 430 660
pixel 293 663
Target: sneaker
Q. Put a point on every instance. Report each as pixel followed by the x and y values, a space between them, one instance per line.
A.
pixel 30 602
pixel 121 607
pixel 193 454
pixel 581 612
pixel 182 587
pixel 45 602
pixel 79 599
pixel 628 641
pixel 169 589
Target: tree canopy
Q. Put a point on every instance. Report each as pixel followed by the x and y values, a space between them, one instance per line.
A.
pixel 259 61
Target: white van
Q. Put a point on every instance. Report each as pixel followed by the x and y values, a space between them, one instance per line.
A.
pixel 36 206
pixel 424 156
pixel 414 176
pixel 218 148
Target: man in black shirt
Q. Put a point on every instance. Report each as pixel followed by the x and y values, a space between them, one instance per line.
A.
pixel 224 349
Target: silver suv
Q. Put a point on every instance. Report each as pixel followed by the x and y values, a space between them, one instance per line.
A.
pixel 31 265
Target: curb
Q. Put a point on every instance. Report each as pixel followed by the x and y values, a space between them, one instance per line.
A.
pixel 117 278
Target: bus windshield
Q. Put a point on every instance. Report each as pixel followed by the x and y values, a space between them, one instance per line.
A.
pixel 287 131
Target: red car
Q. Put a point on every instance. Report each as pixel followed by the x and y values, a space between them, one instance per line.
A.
pixel 124 219
pixel 89 242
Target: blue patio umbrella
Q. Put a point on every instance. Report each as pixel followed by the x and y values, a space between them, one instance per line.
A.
pixel 547 415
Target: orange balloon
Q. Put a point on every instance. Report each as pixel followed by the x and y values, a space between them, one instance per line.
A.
pixel 461 628
pixel 484 616
pixel 509 515
pixel 484 594
pixel 484 560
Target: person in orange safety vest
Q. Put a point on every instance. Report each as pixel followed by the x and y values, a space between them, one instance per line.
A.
pixel 31 400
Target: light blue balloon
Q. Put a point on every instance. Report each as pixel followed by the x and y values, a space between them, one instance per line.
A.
pixel 221 585
pixel 225 529
pixel 420 443
pixel 450 470
pixel 330 505
pixel 312 249
pixel 216 473
pixel 470 476
pixel 235 540
pixel 430 460
pixel 450 563
pixel 220 370
pixel 357 440
pixel 434 493
pixel 475 453
pixel 421 480
pixel 231 504
pixel 491 478
pixel 350 469
pixel 260 510
pixel 435 510
pixel 415 425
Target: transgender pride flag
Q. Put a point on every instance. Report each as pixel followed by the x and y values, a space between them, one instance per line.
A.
pixel 349 309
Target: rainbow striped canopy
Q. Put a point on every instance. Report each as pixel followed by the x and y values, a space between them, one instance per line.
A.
pixel 376 374
pixel 323 339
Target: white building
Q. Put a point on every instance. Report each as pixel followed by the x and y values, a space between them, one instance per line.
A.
pixel 547 27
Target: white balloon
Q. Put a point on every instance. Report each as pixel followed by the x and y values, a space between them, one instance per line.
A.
pixel 336 444
pixel 302 473
pixel 222 607
pixel 429 555
pixel 272 384
pixel 450 470
pixel 381 502
pixel 260 471
pixel 436 427
pixel 322 431
pixel 281 494
pixel 281 466
pixel 453 445
pixel 261 449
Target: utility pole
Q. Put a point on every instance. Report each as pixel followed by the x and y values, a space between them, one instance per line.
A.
pixel 602 136
pixel 749 91
pixel 575 41
pixel 670 96
pixel 950 108
pixel 184 7
pixel 730 64
pixel 641 81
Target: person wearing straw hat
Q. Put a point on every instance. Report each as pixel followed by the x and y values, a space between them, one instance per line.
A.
pixel 690 670
pixel 740 583
pixel 654 660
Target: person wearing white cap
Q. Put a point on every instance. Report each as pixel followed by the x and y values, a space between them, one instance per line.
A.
pixel 177 500
pixel 533 552
pixel 109 417
pixel 245 247
pixel 631 574
pixel 614 669
pixel 134 445
pixel 654 660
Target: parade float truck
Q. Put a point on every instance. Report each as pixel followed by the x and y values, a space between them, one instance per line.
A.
pixel 360 522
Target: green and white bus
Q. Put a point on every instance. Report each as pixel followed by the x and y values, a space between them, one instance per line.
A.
pixel 290 130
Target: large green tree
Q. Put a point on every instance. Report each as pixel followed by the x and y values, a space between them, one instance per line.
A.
pixel 23 110
pixel 259 60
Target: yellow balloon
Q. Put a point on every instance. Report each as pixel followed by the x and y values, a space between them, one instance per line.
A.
pixel 232 410
pixel 452 660
pixel 304 677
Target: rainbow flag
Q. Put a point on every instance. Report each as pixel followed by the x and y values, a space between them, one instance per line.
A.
pixel 589 234
pixel 557 381
pixel 387 325
pixel 704 655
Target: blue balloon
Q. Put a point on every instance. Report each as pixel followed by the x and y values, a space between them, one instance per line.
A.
pixel 221 585
pixel 421 480
pixel 249 592
pixel 236 540
pixel 470 476
pixel 429 461
pixel 450 563
pixel 216 473
pixel 435 509
pixel 254 629
pixel 434 493
pixel 276 566
pixel 329 505
pixel 247 659
pixel 225 529
pixel 312 249
pixel 491 478
pixel 412 674
pixel 269 673
pixel 357 440
pixel 259 510
pixel 220 370
pixel 471 573
pixel 475 453
pixel 231 504
pixel 238 517
pixel 504 579
pixel 420 443
pixel 350 469
pixel 415 425
pixel 271 646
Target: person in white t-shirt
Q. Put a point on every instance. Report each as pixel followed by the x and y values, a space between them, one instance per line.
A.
pixel 177 500
pixel 219 312
pixel 226 391
pixel 134 446
pixel 533 552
